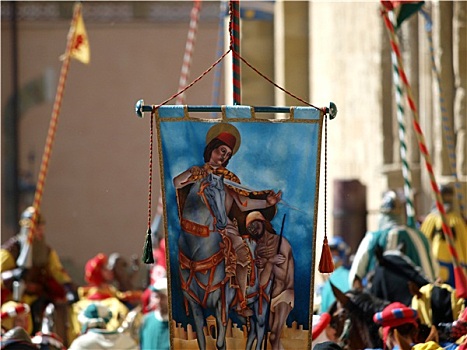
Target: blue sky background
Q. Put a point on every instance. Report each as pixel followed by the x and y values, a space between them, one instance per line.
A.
pixel 277 156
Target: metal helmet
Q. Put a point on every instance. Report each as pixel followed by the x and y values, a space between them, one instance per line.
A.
pixel 28 215
pixel 391 202
pixel 338 243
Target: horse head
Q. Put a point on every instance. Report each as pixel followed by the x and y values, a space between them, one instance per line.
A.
pixel 352 317
pixel 214 193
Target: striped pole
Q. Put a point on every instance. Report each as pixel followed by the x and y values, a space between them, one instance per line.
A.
pixel 235 41
pixel 25 258
pixel 448 132
pixel 460 279
pixel 408 191
pixel 189 48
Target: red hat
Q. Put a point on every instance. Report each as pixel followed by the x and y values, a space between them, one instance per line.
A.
pixel 394 315
pixel 228 139
pixel 93 269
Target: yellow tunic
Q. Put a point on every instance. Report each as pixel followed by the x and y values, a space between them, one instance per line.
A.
pixel 432 229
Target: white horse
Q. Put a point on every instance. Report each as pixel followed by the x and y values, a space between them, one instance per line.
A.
pixel 205 285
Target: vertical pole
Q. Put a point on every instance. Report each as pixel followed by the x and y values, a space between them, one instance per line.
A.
pixel 235 33
pixel 11 135
pixel 448 130
pixel 189 48
pixel 25 258
pixel 220 49
pixel 460 279
pixel 403 146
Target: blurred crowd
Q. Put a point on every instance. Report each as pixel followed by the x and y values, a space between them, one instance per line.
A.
pixel 415 291
pixel 408 267
pixel 120 306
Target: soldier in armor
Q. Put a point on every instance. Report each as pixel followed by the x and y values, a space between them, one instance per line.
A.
pixel 31 270
pixel 392 234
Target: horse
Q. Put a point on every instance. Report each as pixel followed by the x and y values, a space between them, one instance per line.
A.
pixel 396 277
pixel 202 258
pixel 255 298
pixel 352 317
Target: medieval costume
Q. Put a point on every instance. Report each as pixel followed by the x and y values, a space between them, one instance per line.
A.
pixel 37 270
pixel 98 276
pixel 154 331
pixel 432 228
pixel 94 333
pixel 393 234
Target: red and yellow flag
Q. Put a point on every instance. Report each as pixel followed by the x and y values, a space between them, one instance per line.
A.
pixel 80 48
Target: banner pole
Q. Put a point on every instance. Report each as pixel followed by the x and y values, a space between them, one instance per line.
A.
pixel 235 34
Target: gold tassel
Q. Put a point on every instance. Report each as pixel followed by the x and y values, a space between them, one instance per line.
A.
pixel 326 263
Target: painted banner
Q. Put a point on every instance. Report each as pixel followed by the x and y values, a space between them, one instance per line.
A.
pixel 241 196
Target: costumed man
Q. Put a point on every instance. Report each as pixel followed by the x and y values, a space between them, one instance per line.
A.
pixel 99 288
pixel 322 331
pixel 399 326
pixel 274 260
pixel 124 273
pixel 340 276
pixel 35 270
pixel 432 228
pixel 437 304
pixel 154 331
pixel 454 332
pixel 95 334
pixel 124 276
pixel 392 234
pixel 222 142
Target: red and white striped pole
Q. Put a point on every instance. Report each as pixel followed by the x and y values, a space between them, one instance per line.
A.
pixel 189 48
pixel 235 46
pixel 460 279
pixel 24 259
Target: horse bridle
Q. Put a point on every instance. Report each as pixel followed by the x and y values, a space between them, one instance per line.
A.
pixel 343 338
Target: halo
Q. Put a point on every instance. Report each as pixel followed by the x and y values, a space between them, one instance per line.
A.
pixel 224 127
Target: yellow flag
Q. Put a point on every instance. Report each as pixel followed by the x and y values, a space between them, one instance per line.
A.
pixel 80 48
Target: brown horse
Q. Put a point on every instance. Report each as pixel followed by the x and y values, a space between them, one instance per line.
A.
pixel 352 317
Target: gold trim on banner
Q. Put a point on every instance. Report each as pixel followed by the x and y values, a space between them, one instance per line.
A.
pixel 175 342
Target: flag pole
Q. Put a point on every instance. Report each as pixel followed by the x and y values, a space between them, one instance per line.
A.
pixel 235 46
pixel 460 279
pixel 25 258
pixel 449 139
pixel 408 191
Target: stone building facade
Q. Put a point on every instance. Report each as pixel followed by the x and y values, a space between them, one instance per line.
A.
pixel 95 196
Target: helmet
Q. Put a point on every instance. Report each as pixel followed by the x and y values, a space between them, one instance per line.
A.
pixel 28 215
pixel 338 243
pixel 391 202
pixel 447 193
